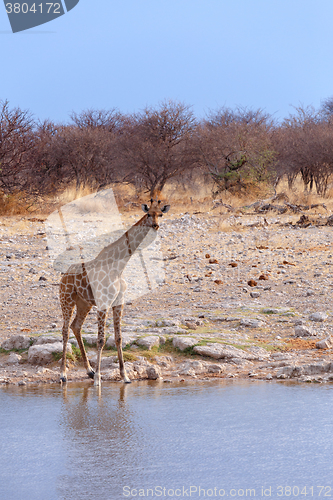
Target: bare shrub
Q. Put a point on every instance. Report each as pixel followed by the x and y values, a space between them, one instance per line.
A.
pixel 157 145
pixel 236 148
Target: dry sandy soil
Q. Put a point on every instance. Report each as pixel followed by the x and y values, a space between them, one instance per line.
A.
pixel 209 260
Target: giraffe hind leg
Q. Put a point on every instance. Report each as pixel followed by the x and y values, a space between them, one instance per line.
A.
pixel 67 311
pixel 117 313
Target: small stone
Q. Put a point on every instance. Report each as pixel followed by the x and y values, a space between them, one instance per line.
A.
pixel 304 331
pixel 183 343
pixel 149 341
pixel 214 368
pixel 42 278
pixel 153 372
pixel 90 339
pixel 254 295
pixel 270 310
pixel 252 323
pixel 220 351
pixel 44 354
pixel 325 343
pixel 13 359
pixel 252 283
pixel 263 277
pixel 16 342
pixel 48 339
pixel 125 340
pixel 190 325
pixel 318 316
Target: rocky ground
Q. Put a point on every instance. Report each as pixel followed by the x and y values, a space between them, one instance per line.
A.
pixel 243 296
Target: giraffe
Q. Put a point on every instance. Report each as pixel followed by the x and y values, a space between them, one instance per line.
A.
pixel 99 282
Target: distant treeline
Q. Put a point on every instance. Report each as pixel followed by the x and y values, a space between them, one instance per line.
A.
pixel 230 147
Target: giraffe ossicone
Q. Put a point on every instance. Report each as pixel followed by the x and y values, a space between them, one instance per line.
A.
pixel 100 282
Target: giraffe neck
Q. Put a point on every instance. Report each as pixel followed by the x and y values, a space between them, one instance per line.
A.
pixel 120 251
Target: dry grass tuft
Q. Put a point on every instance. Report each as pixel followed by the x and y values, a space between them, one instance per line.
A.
pixel 14 204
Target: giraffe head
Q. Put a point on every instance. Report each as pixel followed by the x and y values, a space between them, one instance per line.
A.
pixel 155 210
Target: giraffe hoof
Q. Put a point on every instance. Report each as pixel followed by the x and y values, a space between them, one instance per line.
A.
pixel 63 379
pixel 127 381
pixel 91 374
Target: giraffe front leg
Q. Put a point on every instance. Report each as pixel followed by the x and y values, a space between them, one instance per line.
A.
pixel 82 311
pixel 101 318
pixel 67 313
pixel 117 313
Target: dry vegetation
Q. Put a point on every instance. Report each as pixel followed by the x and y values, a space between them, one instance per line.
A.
pixel 234 156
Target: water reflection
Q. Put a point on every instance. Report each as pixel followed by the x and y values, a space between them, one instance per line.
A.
pixel 98 432
pixel 79 441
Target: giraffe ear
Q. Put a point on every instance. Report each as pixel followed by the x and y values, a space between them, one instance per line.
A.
pixel 165 209
pixel 145 208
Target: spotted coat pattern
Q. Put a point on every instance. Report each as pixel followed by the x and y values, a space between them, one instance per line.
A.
pixel 99 282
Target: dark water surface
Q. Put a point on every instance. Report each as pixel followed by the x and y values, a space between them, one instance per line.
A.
pixel 157 440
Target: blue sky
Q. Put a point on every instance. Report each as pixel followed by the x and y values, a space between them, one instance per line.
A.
pixel 128 54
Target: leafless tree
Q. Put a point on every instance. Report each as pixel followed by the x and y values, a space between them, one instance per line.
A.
pixel 107 120
pixel 157 145
pixel 236 146
pixel 16 142
pixel 306 148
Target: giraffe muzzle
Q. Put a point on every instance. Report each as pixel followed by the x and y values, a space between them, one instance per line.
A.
pixel 155 226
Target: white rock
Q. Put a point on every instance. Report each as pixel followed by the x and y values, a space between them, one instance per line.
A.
pixel 48 339
pixel 141 369
pixel 214 368
pixel 90 339
pixel 325 343
pixel 220 351
pixel 251 323
pixel 183 343
pixel 16 342
pixel 187 371
pixel 270 310
pixel 318 316
pixel 43 354
pixel 125 340
pixel 304 331
pixel 149 341
pixel 13 359
pixel 153 372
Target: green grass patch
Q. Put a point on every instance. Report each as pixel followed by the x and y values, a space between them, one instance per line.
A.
pixel 76 352
pixel 129 356
pixel 58 355
pixel 17 351
pixel 168 348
